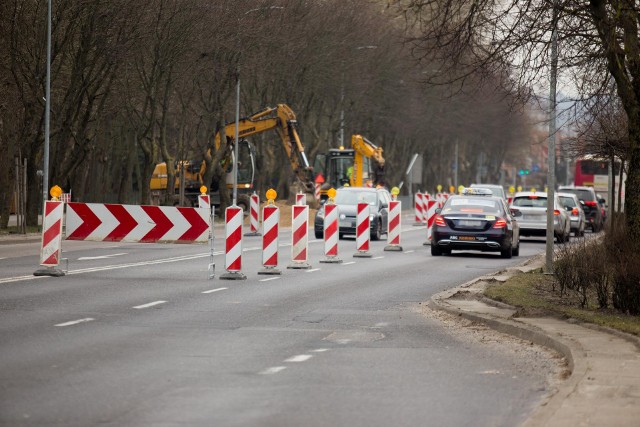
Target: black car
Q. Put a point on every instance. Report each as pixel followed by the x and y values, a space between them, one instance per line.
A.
pixel 475 220
pixel 347 199
pixel 590 204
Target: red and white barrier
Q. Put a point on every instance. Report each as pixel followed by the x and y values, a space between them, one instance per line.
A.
pixel 363 231
pixel 331 233
pixel 254 222
pixel 50 249
pixel 317 191
pixel 132 223
pixel 301 199
pixel 432 205
pixel 270 224
pixel 393 228
pixel 233 217
pixel 420 206
pixel 204 202
pixel 299 236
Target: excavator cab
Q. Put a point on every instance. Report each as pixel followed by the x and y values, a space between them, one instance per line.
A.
pixel 337 169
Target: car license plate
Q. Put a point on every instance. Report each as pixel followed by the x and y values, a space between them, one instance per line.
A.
pixel 467 223
pixel 466 238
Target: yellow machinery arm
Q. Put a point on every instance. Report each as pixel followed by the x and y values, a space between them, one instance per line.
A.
pixel 283 120
pixel 365 148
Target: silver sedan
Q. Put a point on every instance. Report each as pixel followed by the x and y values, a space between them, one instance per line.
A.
pixel 533 222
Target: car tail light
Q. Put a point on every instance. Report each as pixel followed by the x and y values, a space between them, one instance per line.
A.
pixel 574 211
pixel 440 221
pixel 556 212
pixel 500 223
pixel 592 204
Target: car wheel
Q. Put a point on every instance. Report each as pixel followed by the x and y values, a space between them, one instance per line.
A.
pixel 506 253
pixel 435 251
pixel 340 236
pixel 516 250
pixel 377 233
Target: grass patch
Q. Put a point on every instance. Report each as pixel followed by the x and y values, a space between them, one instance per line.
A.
pixel 536 294
pixel 11 230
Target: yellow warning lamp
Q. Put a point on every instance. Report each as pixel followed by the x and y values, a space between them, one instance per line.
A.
pixel 394 192
pixel 512 189
pixel 55 192
pixel 203 190
pixel 533 189
pixel 439 187
pixel 546 189
pixel 332 194
pixel 271 195
pixel 452 189
pixel 460 188
pixel 519 188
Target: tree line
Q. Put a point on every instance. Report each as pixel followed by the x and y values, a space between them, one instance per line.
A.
pixel 137 82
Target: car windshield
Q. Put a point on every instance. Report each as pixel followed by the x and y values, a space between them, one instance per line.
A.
pixel 497 191
pixel 584 195
pixel 530 202
pixel 472 205
pixel 355 197
pixel 568 201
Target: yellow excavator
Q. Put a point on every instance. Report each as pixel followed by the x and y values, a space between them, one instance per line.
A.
pixel 359 166
pixel 280 118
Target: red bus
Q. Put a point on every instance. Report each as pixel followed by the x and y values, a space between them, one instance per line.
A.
pixel 594 172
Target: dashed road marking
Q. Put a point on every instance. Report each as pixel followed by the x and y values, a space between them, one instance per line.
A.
pixel 299 358
pixel 210 291
pixel 75 322
pixel 273 370
pixel 320 350
pixel 408 252
pixel 151 304
pixel 268 278
pixel 312 270
pixel 377 257
pixel 348 263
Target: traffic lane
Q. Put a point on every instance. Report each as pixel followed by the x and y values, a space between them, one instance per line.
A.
pixel 149 332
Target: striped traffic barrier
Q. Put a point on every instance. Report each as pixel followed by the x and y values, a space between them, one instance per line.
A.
pixel 363 231
pixel 204 202
pixel 51 244
pixel 233 217
pixel 254 222
pixel 317 191
pixel 393 227
pixel 299 237
pixel 270 224
pixel 419 205
pixel 331 233
pixel 432 205
pixel 301 199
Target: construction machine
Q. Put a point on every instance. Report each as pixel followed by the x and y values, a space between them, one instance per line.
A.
pixel 359 166
pixel 281 119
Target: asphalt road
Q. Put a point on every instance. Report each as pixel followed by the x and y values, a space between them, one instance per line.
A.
pixel 136 335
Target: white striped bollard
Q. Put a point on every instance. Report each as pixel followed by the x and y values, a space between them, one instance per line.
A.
pixel 301 199
pixel 419 206
pixel 254 222
pixel 331 232
pixel 51 245
pixel 393 228
pixel 299 237
pixel 432 205
pixel 363 231
pixel 270 229
pixel 233 217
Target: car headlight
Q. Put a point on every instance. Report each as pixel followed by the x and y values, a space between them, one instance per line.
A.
pixel 371 217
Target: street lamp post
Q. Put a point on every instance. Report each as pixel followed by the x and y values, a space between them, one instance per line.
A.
pixel 342 95
pixel 47 103
pixel 236 133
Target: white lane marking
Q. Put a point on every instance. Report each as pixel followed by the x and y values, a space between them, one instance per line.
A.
pixel 87 258
pixel 299 358
pixel 408 252
pixel 273 370
pixel 151 304
pixel 214 290
pixel 75 322
pixel 3 257
pixel 268 278
pixel 377 257
pixel 312 270
pixel 320 350
pixel 348 263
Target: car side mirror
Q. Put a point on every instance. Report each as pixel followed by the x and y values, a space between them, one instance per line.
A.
pixel 438 210
pixel 603 201
pixel 384 205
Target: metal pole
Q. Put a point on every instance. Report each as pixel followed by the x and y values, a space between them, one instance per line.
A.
pixel 551 173
pixel 47 96
pixel 455 176
pixel 235 141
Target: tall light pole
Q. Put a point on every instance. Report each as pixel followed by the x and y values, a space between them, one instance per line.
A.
pixel 342 95
pixel 551 173
pixel 236 133
pixel 47 106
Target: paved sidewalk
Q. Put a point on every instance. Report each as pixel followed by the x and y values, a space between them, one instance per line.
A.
pixel 604 386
